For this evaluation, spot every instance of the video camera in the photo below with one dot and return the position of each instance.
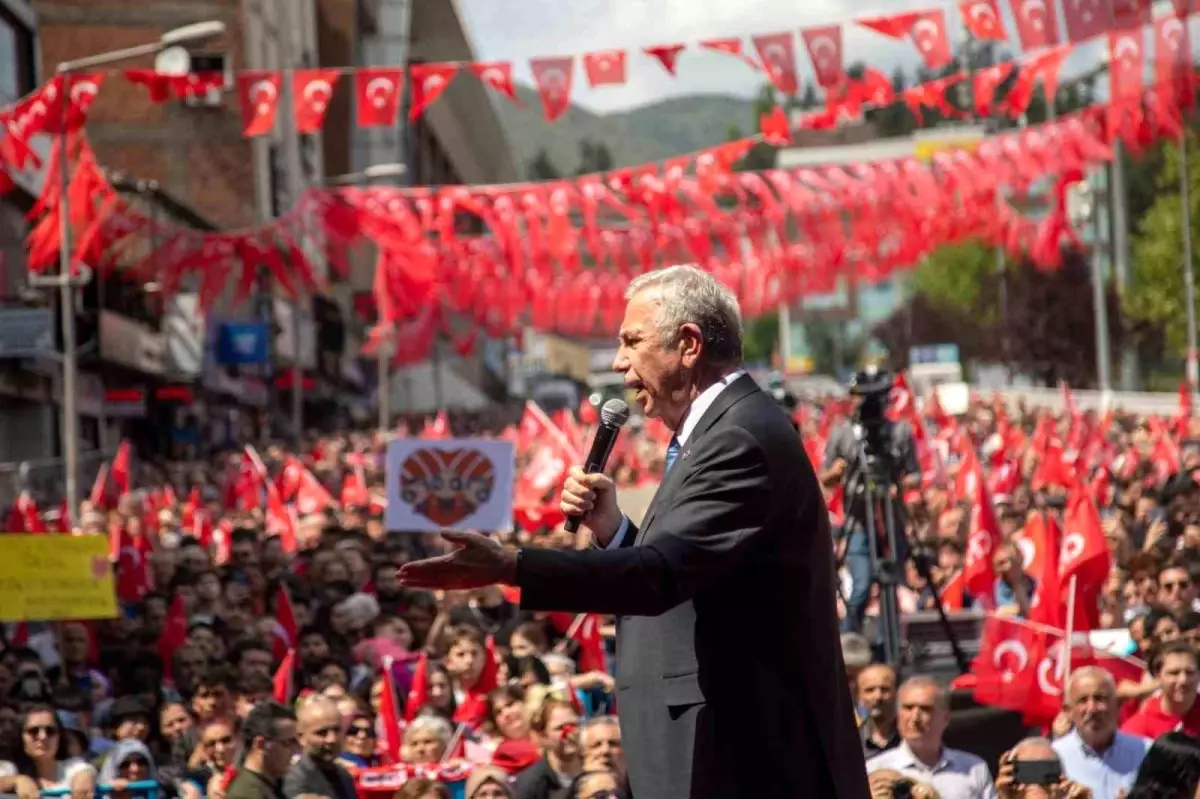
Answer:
(873, 387)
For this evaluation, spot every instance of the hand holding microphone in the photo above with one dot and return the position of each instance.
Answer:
(589, 496)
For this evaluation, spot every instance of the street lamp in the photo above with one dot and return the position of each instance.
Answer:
(1081, 209)
(64, 281)
(377, 171)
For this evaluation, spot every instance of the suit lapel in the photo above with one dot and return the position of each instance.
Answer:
(729, 396)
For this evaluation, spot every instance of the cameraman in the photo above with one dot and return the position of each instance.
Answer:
(843, 465)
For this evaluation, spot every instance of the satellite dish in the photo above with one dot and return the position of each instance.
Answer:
(173, 61)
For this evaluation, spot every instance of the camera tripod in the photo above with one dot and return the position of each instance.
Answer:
(877, 483)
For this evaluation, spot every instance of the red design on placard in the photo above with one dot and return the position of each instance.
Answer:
(605, 68)
(446, 486)
(1037, 23)
(498, 75)
(553, 77)
(428, 83)
(667, 55)
(258, 92)
(982, 19)
(377, 92)
(312, 91)
(777, 51)
(825, 50)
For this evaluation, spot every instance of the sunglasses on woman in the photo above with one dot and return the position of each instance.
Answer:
(360, 731)
(48, 731)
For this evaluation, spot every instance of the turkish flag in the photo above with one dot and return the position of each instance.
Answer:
(81, 93)
(1126, 60)
(428, 83)
(1086, 18)
(928, 33)
(498, 75)
(1127, 13)
(730, 46)
(282, 682)
(667, 55)
(605, 68)
(1037, 23)
(258, 93)
(389, 723)
(122, 468)
(825, 50)
(982, 19)
(1173, 68)
(377, 92)
(777, 51)
(553, 78)
(1085, 552)
(312, 90)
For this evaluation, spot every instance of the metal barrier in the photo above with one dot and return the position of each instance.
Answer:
(147, 788)
(44, 477)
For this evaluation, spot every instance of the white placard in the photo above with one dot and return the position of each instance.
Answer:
(449, 484)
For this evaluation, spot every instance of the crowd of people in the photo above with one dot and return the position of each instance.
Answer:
(265, 647)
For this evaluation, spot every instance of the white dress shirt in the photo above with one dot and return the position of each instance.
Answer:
(956, 775)
(692, 418)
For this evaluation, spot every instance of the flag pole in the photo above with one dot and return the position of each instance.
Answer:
(1070, 632)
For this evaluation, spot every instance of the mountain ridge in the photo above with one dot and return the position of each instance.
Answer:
(651, 132)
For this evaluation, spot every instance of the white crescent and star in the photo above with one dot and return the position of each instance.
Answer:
(983, 14)
(379, 91)
(927, 33)
(1017, 649)
(820, 45)
(263, 93)
(1038, 22)
(1172, 32)
(432, 83)
(1072, 548)
(317, 94)
(85, 89)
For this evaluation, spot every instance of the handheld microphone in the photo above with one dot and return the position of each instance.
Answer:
(613, 415)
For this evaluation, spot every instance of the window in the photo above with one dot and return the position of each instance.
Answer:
(16, 58)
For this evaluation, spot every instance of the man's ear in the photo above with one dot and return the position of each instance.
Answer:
(691, 344)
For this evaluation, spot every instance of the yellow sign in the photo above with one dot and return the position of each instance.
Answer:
(925, 149)
(48, 577)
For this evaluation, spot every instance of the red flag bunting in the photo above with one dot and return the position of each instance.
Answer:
(605, 68)
(982, 19)
(498, 75)
(312, 91)
(777, 51)
(429, 81)
(553, 77)
(258, 92)
(377, 93)
(667, 55)
(825, 49)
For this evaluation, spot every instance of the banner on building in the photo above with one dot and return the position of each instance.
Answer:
(450, 484)
(242, 344)
(49, 577)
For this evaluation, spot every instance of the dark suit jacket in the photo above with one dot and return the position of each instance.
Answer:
(305, 776)
(730, 676)
(538, 782)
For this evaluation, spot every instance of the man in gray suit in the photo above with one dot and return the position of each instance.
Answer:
(730, 677)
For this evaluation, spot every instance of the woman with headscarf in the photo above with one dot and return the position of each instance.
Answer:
(489, 782)
(127, 763)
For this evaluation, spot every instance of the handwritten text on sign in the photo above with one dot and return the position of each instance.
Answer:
(47, 577)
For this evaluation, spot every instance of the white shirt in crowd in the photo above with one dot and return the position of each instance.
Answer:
(956, 775)
(64, 773)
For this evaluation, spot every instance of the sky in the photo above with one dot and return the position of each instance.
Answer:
(517, 30)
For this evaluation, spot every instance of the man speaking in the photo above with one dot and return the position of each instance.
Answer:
(730, 679)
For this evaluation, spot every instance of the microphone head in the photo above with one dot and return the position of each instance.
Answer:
(615, 413)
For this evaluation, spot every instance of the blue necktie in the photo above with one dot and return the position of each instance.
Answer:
(672, 454)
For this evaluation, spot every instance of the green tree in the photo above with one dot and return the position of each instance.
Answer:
(1156, 293)
(954, 277)
(593, 157)
(542, 168)
(761, 339)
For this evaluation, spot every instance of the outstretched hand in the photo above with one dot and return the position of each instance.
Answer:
(476, 561)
